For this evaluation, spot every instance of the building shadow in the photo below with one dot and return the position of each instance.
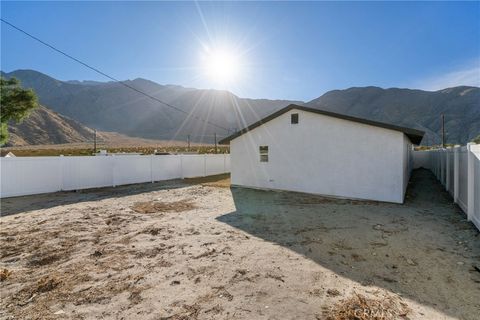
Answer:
(424, 249)
(24, 204)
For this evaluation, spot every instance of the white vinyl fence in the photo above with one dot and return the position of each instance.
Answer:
(458, 169)
(32, 175)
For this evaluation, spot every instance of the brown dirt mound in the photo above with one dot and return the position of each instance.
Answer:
(47, 284)
(39, 260)
(359, 307)
(158, 206)
(4, 274)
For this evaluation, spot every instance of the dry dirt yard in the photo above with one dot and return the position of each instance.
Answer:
(197, 249)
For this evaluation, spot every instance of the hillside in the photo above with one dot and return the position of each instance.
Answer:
(412, 108)
(110, 106)
(44, 126)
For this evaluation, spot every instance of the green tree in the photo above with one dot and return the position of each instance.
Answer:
(477, 139)
(16, 103)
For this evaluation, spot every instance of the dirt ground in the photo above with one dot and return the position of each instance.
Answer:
(197, 249)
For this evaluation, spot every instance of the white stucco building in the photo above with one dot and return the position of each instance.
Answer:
(313, 151)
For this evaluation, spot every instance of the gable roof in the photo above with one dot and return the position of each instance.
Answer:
(414, 135)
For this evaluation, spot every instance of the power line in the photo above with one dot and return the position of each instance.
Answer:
(110, 77)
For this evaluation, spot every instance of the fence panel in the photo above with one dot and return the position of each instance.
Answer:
(443, 166)
(166, 167)
(227, 163)
(458, 169)
(476, 168)
(451, 171)
(194, 166)
(215, 164)
(85, 172)
(33, 175)
(438, 164)
(463, 178)
(131, 169)
(30, 175)
(421, 159)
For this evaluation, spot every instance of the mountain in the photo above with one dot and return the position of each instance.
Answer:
(110, 106)
(44, 126)
(412, 108)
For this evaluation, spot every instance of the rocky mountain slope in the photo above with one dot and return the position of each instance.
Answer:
(412, 108)
(110, 106)
(45, 126)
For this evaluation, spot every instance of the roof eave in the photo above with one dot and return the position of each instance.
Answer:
(414, 135)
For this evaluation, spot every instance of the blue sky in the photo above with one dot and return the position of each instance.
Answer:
(291, 50)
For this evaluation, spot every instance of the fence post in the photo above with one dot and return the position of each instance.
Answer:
(205, 165)
(439, 166)
(470, 181)
(224, 163)
(61, 167)
(455, 173)
(113, 170)
(151, 168)
(442, 167)
(439, 160)
(447, 168)
(181, 167)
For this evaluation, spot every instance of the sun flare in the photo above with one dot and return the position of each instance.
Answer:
(222, 65)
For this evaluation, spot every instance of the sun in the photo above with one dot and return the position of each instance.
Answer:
(222, 65)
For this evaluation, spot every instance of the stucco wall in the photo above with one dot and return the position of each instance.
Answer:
(322, 155)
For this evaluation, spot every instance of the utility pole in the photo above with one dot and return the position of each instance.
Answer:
(215, 135)
(188, 142)
(94, 141)
(443, 131)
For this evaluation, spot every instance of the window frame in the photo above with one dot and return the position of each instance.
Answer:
(263, 153)
(294, 118)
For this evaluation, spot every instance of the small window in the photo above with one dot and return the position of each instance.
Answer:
(294, 118)
(263, 153)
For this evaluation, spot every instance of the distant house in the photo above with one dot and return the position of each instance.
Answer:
(9, 155)
(313, 151)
